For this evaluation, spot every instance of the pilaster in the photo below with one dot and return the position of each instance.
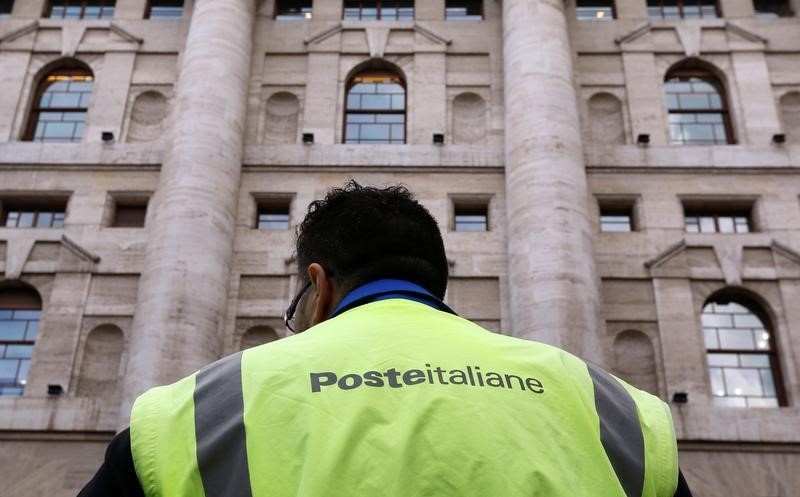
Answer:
(759, 112)
(682, 347)
(644, 87)
(430, 98)
(322, 89)
(13, 69)
(110, 96)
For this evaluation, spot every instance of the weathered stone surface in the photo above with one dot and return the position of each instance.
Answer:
(540, 125)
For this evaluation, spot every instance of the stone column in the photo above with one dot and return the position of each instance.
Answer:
(552, 276)
(179, 318)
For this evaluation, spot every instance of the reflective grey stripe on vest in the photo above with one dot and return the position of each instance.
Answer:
(620, 430)
(219, 429)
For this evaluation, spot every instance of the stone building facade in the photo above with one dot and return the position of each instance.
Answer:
(634, 174)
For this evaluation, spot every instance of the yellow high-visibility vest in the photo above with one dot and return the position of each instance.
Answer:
(395, 398)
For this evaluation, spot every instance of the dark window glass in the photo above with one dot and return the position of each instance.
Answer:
(616, 220)
(273, 213)
(772, 8)
(471, 217)
(742, 364)
(376, 109)
(595, 10)
(682, 9)
(164, 9)
(19, 323)
(463, 10)
(59, 109)
(5, 9)
(273, 220)
(32, 217)
(386, 10)
(81, 9)
(287, 10)
(705, 222)
(698, 112)
(129, 216)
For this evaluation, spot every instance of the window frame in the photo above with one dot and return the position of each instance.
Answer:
(83, 4)
(278, 203)
(612, 18)
(37, 211)
(35, 109)
(7, 15)
(301, 17)
(707, 77)
(376, 72)
(470, 205)
(466, 18)
(715, 216)
(378, 7)
(681, 3)
(786, 12)
(772, 353)
(149, 10)
(606, 212)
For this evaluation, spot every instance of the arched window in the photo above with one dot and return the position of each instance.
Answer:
(376, 108)
(20, 311)
(698, 112)
(740, 348)
(59, 107)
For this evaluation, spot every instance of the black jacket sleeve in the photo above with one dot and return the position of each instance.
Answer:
(117, 475)
(683, 488)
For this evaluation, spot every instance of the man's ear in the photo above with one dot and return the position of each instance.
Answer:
(323, 294)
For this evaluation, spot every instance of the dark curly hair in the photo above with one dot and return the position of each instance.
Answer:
(362, 233)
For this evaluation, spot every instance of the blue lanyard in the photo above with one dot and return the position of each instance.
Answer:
(389, 289)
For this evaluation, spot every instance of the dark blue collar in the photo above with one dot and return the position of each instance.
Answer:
(389, 289)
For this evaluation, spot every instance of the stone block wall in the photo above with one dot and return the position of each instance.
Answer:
(647, 286)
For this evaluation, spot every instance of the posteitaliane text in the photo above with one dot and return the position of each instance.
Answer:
(469, 376)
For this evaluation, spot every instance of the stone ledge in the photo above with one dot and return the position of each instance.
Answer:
(58, 414)
(737, 157)
(710, 423)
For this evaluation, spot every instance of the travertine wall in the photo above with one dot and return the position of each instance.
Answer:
(543, 136)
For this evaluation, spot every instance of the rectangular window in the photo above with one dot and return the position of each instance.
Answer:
(379, 10)
(717, 223)
(273, 213)
(616, 221)
(129, 216)
(81, 9)
(682, 9)
(471, 215)
(617, 215)
(23, 214)
(288, 10)
(463, 10)
(164, 9)
(126, 209)
(595, 10)
(772, 9)
(5, 9)
(703, 218)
